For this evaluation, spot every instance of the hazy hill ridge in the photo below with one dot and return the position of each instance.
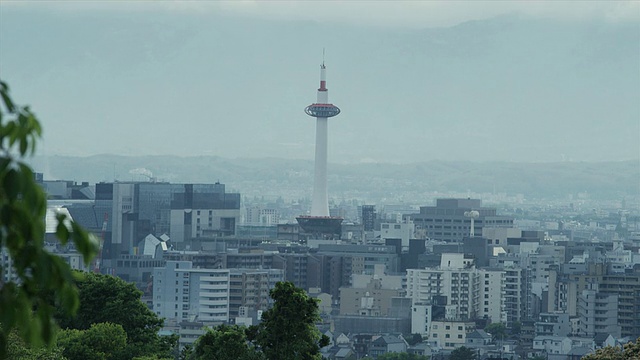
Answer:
(510, 88)
(294, 178)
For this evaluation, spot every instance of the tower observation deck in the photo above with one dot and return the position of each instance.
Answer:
(319, 220)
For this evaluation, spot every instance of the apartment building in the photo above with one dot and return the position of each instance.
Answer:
(250, 288)
(598, 313)
(184, 293)
(449, 335)
(469, 293)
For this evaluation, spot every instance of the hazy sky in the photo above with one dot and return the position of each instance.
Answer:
(412, 14)
(481, 81)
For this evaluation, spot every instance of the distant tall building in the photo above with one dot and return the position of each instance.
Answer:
(368, 216)
(447, 221)
(256, 215)
(182, 211)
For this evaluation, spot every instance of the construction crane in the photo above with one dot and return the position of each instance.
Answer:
(96, 268)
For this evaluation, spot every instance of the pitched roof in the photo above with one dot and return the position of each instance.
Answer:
(387, 339)
(479, 334)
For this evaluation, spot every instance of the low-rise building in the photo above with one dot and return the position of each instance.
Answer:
(449, 335)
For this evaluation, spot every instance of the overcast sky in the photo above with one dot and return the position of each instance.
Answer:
(417, 80)
(416, 14)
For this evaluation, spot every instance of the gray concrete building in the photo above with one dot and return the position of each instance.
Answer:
(446, 220)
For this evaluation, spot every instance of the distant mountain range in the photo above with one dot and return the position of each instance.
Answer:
(511, 88)
(273, 177)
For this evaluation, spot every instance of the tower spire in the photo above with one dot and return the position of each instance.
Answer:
(323, 57)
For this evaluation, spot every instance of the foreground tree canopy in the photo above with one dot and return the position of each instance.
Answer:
(109, 299)
(225, 342)
(288, 329)
(462, 353)
(19, 350)
(100, 342)
(628, 351)
(38, 275)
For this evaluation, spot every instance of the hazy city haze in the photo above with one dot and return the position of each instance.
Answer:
(415, 81)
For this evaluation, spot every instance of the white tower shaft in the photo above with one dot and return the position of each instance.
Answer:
(320, 201)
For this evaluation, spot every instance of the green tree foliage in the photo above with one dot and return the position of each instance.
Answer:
(288, 330)
(105, 298)
(24, 302)
(402, 356)
(516, 329)
(225, 342)
(628, 351)
(101, 341)
(498, 331)
(186, 353)
(462, 353)
(413, 339)
(19, 350)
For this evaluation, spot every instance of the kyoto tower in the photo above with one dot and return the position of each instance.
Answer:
(319, 221)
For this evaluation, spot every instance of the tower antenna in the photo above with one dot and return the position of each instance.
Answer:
(322, 57)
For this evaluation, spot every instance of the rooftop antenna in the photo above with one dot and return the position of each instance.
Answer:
(473, 214)
(322, 57)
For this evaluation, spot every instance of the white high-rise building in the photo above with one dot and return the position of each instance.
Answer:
(466, 292)
(182, 293)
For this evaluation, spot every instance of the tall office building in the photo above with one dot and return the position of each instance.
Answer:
(447, 220)
(368, 216)
(182, 211)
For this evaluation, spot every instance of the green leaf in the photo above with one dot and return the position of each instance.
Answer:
(11, 184)
(4, 92)
(85, 244)
(62, 233)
